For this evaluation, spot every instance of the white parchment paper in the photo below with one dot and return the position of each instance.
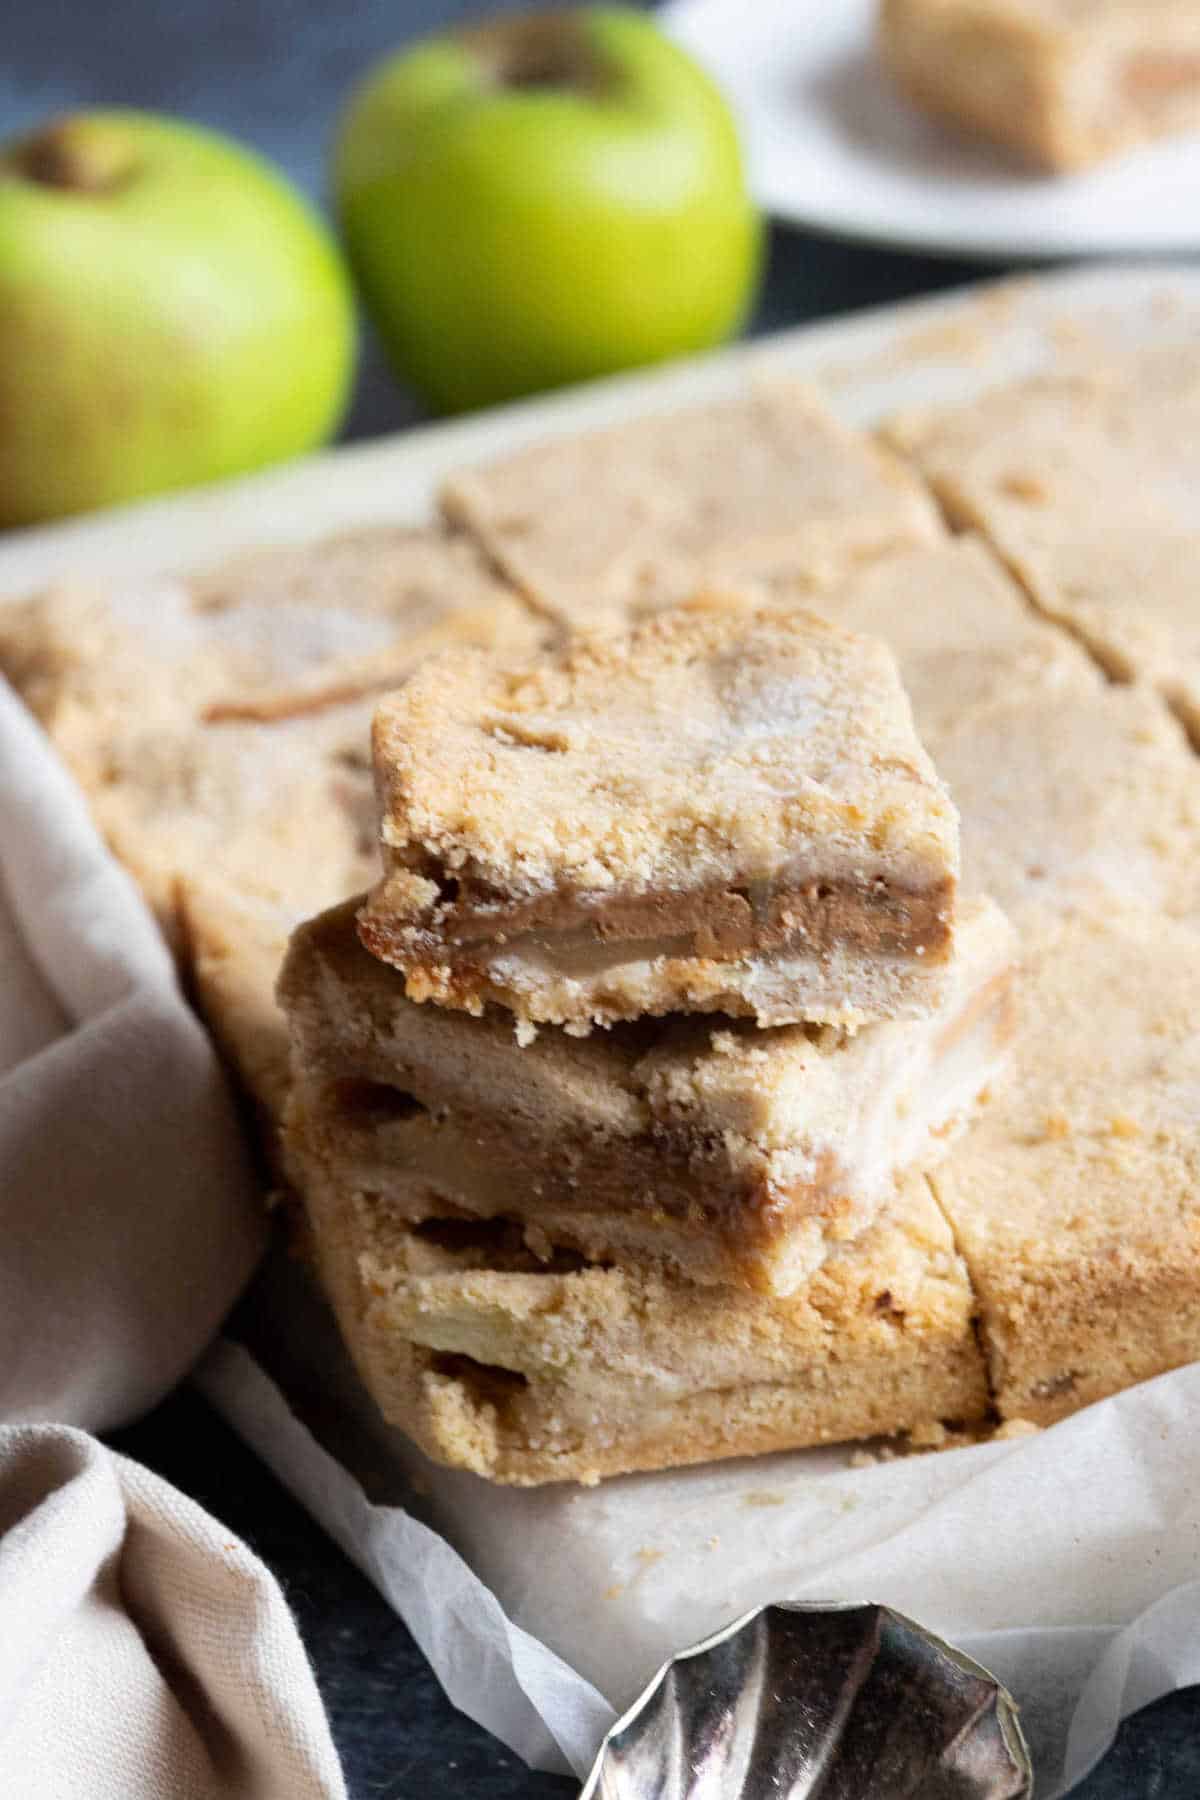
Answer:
(1067, 1562)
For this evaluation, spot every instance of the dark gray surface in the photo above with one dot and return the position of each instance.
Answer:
(275, 73)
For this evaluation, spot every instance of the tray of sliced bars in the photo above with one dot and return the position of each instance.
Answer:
(698, 879)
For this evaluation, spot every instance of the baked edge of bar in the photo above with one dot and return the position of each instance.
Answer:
(436, 1408)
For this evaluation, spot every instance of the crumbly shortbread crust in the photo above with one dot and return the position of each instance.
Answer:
(1065, 82)
(1116, 442)
(599, 525)
(1129, 594)
(1076, 1198)
(268, 635)
(282, 811)
(237, 835)
(234, 942)
(1067, 787)
(1092, 796)
(1087, 486)
(963, 634)
(724, 810)
(733, 1154)
(193, 712)
(527, 1374)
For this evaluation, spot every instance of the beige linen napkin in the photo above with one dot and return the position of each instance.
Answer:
(143, 1651)
(128, 1214)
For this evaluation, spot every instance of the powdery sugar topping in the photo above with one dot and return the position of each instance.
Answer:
(704, 746)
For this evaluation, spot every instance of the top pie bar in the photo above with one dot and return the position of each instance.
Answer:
(727, 810)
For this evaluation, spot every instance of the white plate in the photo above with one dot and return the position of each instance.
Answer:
(833, 145)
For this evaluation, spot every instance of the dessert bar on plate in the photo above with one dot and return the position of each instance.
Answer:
(1065, 83)
(724, 810)
(604, 524)
(729, 1153)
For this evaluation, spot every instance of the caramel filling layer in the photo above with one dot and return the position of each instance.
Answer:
(678, 1179)
(879, 917)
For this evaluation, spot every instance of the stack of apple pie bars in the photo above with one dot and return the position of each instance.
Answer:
(773, 1018)
(613, 1099)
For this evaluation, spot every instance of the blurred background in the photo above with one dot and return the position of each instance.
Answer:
(275, 74)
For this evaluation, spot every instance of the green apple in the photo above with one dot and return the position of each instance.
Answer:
(170, 311)
(542, 199)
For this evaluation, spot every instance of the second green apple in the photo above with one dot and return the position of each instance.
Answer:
(544, 199)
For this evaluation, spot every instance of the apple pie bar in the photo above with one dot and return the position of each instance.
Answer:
(964, 635)
(1062, 1253)
(1076, 1198)
(966, 641)
(605, 524)
(1064, 82)
(263, 636)
(1072, 799)
(724, 810)
(730, 1153)
(1067, 788)
(1087, 485)
(527, 1371)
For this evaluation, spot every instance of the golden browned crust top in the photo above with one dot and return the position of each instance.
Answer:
(703, 747)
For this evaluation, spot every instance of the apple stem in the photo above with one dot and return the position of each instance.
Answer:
(543, 50)
(81, 161)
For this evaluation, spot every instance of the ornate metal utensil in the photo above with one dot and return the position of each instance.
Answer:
(841, 1702)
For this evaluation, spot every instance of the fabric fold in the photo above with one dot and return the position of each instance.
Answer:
(145, 1651)
(128, 1205)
